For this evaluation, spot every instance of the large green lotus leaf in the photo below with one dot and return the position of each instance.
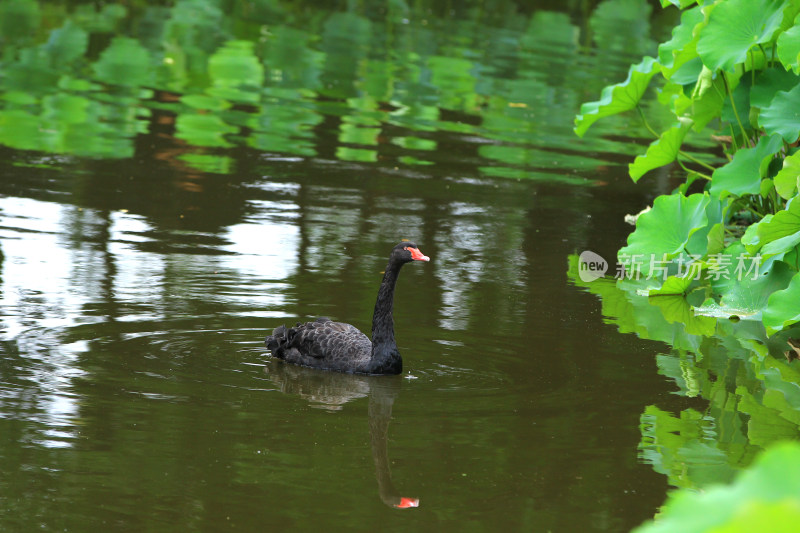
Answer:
(786, 179)
(618, 98)
(779, 234)
(665, 229)
(662, 151)
(734, 27)
(768, 83)
(750, 238)
(765, 497)
(676, 309)
(675, 52)
(783, 308)
(779, 247)
(743, 174)
(783, 115)
(688, 72)
(743, 288)
(698, 244)
(789, 48)
(791, 11)
(66, 108)
(775, 476)
(672, 286)
(783, 224)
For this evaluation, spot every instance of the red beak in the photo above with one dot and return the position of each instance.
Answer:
(416, 255)
(407, 503)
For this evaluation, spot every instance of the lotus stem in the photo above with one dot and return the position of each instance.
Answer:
(733, 106)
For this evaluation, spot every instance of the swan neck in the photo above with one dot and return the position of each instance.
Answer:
(382, 319)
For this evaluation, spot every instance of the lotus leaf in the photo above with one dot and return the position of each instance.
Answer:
(618, 98)
(736, 26)
(763, 498)
(783, 308)
(662, 151)
(783, 115)
(665, 229)
(743, 174)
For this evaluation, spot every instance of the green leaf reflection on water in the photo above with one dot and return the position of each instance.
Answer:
(764, 498)
(267, 76)
(213, 164)
(234, 65)
(124, 62)
(203, 130)
(750, 387)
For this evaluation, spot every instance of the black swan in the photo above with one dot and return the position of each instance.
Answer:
(330, 345)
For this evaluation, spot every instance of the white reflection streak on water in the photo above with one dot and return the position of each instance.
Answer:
(262, 246)
(139, 276)
(461, 251)
(474, 246)
(34, 301)
(52, 273)
(265, 250)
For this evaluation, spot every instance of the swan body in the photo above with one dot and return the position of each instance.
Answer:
(341, 347)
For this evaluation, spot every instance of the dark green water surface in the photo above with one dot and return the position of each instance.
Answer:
(176, 181)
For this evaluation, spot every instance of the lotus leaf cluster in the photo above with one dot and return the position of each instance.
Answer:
(731, 230)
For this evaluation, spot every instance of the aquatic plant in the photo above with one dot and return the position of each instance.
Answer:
(731, 230)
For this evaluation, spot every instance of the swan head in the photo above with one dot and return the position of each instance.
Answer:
(405, 252)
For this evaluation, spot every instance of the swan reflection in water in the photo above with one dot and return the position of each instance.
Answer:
(331, 390)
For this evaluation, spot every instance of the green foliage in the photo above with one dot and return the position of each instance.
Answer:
(718, 269)
(744, 173)
(662, 151)
(618, 98)
(664, 231)
(783, 115)
(734, 27)
(765, 497)
(729, 70)
(750, 388)
(783, 308)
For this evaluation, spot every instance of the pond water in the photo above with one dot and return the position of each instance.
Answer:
(158, 220)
